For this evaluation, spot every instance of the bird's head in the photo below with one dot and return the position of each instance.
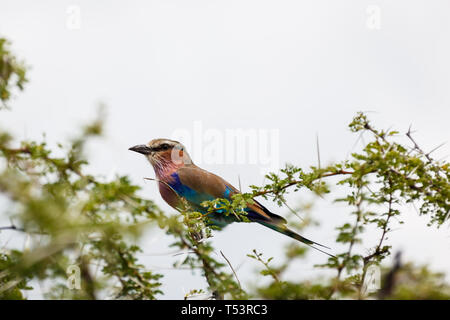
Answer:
(162, 152)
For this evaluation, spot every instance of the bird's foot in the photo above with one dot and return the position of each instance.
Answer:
(198, 236)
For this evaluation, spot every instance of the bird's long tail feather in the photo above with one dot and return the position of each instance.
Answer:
(284, 230)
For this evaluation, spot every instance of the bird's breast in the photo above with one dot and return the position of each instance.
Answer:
(169, 195)
(171, 190)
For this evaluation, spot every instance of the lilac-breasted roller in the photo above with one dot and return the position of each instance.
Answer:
(179, 177)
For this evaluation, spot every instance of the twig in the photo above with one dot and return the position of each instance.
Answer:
(433, 150)
(232, 269)
(12, 227)
(266, 264)
(292, 210)
(330, 174)
(341, 266)
(416, 146)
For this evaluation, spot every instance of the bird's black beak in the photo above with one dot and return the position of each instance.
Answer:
(141, 148)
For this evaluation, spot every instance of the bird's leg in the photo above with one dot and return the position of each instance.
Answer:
(198, 236)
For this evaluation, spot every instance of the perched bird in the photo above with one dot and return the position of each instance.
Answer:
(179, 177)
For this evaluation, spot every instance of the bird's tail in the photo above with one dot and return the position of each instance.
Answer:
(284, 230)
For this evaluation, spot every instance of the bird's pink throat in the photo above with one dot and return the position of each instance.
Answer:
(164, 169)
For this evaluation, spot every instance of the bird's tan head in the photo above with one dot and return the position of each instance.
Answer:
(163, 152)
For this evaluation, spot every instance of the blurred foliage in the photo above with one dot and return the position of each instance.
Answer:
(12, 73)
(81, 220)
(90, 226)
(419, 283)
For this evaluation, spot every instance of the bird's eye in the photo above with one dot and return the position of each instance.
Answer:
(164, 146)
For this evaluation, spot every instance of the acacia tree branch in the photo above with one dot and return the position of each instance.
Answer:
(378, 251)
(12, 227)
(207, 268)
(341, 266)
(290, 184)
(417, 147)
(266, 265)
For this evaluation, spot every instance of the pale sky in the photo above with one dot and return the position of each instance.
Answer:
(299, 68)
